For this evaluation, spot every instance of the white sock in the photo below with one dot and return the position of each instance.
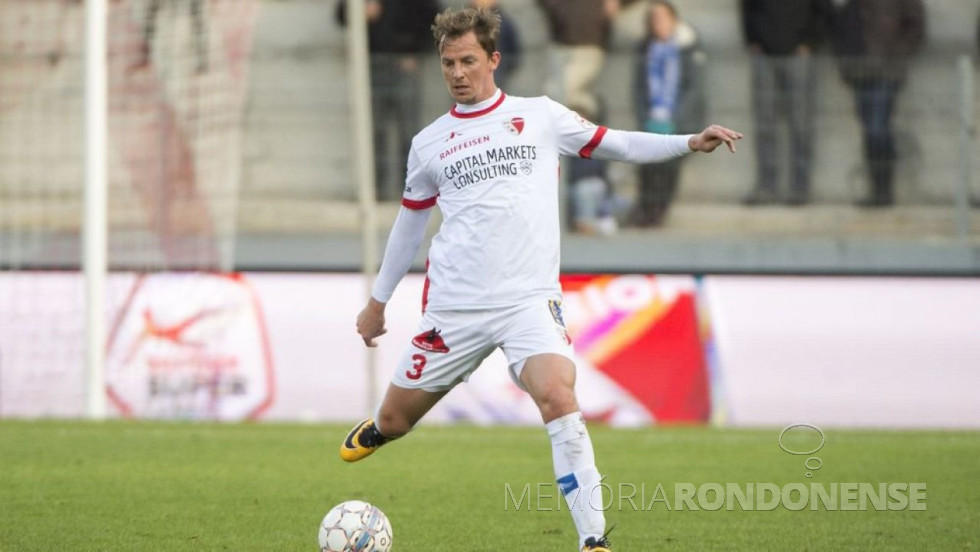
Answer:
(377, 418)
(576, 474)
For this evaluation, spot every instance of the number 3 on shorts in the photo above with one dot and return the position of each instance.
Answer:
(418, 363)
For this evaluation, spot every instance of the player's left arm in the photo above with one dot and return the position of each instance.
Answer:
(578, 136)
(644, 147)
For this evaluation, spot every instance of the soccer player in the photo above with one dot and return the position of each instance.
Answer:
(491, 164)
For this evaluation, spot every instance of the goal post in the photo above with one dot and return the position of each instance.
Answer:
(95, 205)
(359, 85)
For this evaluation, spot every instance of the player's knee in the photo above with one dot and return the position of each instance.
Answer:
(557, 402)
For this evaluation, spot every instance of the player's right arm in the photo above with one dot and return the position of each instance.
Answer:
(406, 238)
(407, 235)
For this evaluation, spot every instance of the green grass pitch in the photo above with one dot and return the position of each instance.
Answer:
(181, 486)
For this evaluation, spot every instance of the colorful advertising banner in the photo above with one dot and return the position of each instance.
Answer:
(739, 351)
(642, 332)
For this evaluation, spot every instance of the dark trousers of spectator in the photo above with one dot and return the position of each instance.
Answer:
(196, 8)
(658, 186)
(395, 104)
(875, 101)
(783, 84)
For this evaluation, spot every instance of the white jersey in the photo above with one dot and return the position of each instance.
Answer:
(494, 174)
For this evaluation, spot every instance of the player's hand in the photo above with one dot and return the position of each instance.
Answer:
(712, 137)
(371, 322)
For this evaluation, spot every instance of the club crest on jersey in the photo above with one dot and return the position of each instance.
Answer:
(584, 122)
(515, 126)
(430, 341)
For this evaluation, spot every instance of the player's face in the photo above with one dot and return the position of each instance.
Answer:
(468, 69)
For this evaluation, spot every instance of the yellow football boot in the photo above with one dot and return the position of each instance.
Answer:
(593, 544)
(362, 441)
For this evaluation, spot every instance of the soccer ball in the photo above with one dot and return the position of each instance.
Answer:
(355, 526)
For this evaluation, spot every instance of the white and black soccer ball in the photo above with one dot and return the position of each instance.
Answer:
(355, 526)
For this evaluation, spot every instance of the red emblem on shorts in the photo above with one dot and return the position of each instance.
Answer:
(430, 341)
(515, 125)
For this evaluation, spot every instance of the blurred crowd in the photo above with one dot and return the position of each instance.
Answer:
(871, 41)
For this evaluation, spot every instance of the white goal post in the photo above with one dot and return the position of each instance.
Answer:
(95, 217)
(360, 97)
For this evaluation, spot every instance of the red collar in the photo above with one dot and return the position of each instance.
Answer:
(472, 114)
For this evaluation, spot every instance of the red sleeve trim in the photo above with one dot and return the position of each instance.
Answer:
(586, 152)
(419, 204)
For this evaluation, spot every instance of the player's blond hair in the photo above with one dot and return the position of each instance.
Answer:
(484, 22)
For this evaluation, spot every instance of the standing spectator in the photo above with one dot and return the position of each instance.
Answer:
(398, 31)
(874, 40)
(669, 95)
(781, 36)
(196, 8)
(591, 202)
(579, 33)
(508, 43)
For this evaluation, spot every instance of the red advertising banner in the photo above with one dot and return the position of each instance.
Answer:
(643, 333)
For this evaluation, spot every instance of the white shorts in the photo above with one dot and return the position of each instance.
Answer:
(452, 344)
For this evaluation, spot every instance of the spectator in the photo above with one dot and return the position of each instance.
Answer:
(508, 44)
(874, 40)
(196, 8)
(669, 96)
(580, 33)
(398, 31)
(781, 36)
(591, 203)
